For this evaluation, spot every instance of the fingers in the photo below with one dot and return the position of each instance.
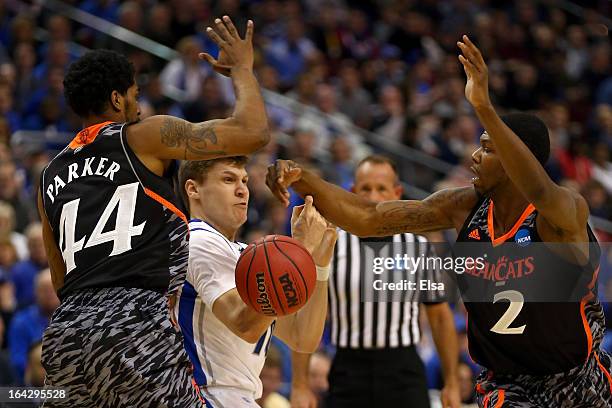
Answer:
(209, 58)
(468, 67)
(471, 53)
(474, 49)
(308, 200)
(249, 32)
(223, 32)
(272, 181)
(231, 27)
(215, 37)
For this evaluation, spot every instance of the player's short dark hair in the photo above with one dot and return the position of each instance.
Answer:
(198, 169)
(93, 77)
(532, 131)
(379, 159)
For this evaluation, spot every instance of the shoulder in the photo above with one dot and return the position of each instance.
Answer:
(203, 236)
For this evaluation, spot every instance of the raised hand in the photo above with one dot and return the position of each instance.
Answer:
(234, 52)
(307, 225)
(280, 176)
(477, 85)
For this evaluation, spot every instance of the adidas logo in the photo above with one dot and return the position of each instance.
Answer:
(474, 234)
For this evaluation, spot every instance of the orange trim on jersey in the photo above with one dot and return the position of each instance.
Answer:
(498, 241)
(87, 135)
(585, 323)
(606, 373)
(166, 203)
(501, 396)
(197, 389)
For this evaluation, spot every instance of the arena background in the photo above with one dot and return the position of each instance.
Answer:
(342, 79)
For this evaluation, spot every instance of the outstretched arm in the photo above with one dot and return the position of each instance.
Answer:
(246, 130)
(441, 210)
(562, 208)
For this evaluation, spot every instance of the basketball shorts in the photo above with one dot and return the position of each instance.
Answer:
(116, 348)
(585, 386)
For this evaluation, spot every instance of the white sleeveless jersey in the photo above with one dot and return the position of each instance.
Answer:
(220, 358)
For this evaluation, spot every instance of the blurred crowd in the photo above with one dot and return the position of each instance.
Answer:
(388, 67)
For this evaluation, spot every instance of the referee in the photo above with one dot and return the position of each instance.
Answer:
(376, 362)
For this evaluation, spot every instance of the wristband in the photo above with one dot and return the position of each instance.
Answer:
(322, 272)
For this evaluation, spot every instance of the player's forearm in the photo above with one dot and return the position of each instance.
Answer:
(299, 369)
(519, 163)
(445, 338)
(249, 111)
(343, 208)
(309, 321)
(250, 325)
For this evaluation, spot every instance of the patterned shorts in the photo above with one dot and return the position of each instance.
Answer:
(586, 386)
(117, 348)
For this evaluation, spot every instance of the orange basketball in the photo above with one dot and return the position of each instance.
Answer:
(275, 275)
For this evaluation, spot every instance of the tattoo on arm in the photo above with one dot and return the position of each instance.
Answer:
(197, 139)
(405, 216)
(432, 214)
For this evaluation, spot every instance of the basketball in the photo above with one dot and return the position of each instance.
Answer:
(275, 275)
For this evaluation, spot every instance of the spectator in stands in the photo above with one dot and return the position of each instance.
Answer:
(8, 254)
(29, 324)
(353, 100)
(8, 304)
(318, 371)
(602, 167)
(290, 53)
(340, 170)
(183, 77)
(7, 107)
(598, 199)
(466, 385)
(326, 127)
(158, 26)
(25, 83)
(24, 273)
(7, 230)
(389, 120)
(271, 376)
(11, 191)
(7, 374)
(35, 372)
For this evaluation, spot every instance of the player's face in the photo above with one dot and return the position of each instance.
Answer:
(488, 171)
(224, 195)
(377, 182)
(132, 109)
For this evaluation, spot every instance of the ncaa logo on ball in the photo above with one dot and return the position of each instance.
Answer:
(262, 298)
(523, 238)
(289, 290)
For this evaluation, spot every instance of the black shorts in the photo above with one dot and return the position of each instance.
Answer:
(377, 378)
(117, 348)
(585, 386)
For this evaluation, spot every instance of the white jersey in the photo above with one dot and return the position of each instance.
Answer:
(220, 358)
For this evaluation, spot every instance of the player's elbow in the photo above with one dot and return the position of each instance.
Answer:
(256, 136)
(248, 333)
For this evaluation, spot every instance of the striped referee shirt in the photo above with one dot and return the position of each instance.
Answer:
(392, 319)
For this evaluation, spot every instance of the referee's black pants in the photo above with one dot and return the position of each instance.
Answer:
(381, 378)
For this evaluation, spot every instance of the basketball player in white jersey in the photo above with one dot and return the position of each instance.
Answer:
(226, 340)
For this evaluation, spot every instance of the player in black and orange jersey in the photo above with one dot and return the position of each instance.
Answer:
(116, 239)
(543, 348)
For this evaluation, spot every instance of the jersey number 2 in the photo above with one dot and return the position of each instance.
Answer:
(121, 237)
(516, 304)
